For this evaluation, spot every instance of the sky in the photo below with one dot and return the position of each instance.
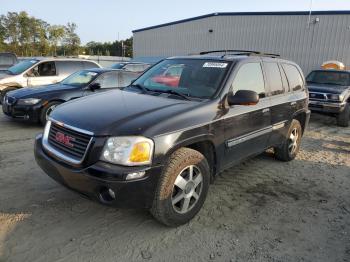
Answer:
(106, 20)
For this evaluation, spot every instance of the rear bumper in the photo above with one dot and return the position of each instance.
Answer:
(326, 107)
(30, 113)
(92, 181)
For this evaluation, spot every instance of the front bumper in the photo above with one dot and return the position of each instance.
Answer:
(326, 107)
(26, 112)
(94, 180)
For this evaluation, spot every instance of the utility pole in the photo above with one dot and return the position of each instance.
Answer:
(310, 13)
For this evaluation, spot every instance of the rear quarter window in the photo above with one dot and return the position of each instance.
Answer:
(68, 67)
(294, 77)
(88, 65)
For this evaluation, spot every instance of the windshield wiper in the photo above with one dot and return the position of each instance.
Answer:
(172, 92)
(334, 84)
(140, 87)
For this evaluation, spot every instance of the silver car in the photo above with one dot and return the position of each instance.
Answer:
(40, 71)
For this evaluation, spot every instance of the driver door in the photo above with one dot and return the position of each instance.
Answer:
(42, 74)
(247, 128)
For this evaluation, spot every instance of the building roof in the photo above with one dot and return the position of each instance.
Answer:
(333, 12)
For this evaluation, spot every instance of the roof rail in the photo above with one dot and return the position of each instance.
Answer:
(240, 52)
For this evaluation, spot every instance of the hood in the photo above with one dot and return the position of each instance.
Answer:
(328, 89)
(39, 91)
(120, 112)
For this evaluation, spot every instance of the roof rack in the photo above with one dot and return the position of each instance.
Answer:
(240, 52)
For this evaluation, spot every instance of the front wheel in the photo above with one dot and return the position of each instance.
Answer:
(290, 147)
(4, 92)
(344, 117)
(182, 188)
(47, 110)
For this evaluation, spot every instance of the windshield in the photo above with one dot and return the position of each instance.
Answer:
(190, 77)
(329, 77)
(80, 78)
(22, 66)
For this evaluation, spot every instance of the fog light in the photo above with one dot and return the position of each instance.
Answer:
(135, 175)
(111, 193)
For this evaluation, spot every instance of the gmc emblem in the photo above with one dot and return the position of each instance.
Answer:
(64, 139)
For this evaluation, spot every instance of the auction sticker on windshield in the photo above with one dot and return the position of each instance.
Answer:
(215, 65)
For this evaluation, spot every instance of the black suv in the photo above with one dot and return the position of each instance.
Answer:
(158, 143)
(329, 92)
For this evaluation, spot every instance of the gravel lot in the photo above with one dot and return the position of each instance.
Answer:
(261, 210)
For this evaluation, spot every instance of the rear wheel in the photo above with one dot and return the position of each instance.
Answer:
(344, 117)
(47, 110)
(182, 189)
(290, 147)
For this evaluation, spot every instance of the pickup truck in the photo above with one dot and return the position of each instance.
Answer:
(329, 92)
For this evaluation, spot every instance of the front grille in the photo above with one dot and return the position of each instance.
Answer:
(69, 142)
(317, 96)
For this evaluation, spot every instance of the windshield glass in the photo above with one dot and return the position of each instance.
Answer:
(22, 66)
(329, 77)
(190, 77)
(80, 78)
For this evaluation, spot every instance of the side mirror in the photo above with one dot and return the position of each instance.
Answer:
(95, 86)
(243, 97)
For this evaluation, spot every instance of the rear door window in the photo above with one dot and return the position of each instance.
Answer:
(274, 78)
(69, 67)
(295, 79)
(250, 77)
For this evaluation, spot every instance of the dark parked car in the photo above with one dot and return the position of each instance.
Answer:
(36, 104)
(7, 60)
(329, 92)
(156, 146)
(131, 66)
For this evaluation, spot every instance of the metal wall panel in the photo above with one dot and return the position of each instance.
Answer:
(288, 35)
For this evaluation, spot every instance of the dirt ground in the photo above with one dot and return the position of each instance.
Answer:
(261, 210)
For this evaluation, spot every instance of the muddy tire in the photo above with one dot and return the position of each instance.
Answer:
(290, 147)
(182, 188)
(46, 111)
(344, 117)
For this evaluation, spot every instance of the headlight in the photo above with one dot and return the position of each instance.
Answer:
(335, 97)
(28, 101)
(128, 151)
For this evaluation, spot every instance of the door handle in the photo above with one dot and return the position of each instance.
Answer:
(293, 103)
(266, 110)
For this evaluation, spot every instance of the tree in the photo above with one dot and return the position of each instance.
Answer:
(56, 35)
(71, 40)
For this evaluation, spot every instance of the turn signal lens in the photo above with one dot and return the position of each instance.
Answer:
(140, 153)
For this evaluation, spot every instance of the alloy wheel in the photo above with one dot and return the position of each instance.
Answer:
(293, 141)
(187, 189)
(49, 111)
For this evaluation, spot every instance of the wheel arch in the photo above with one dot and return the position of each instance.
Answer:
(203, 144)
(301, 116)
